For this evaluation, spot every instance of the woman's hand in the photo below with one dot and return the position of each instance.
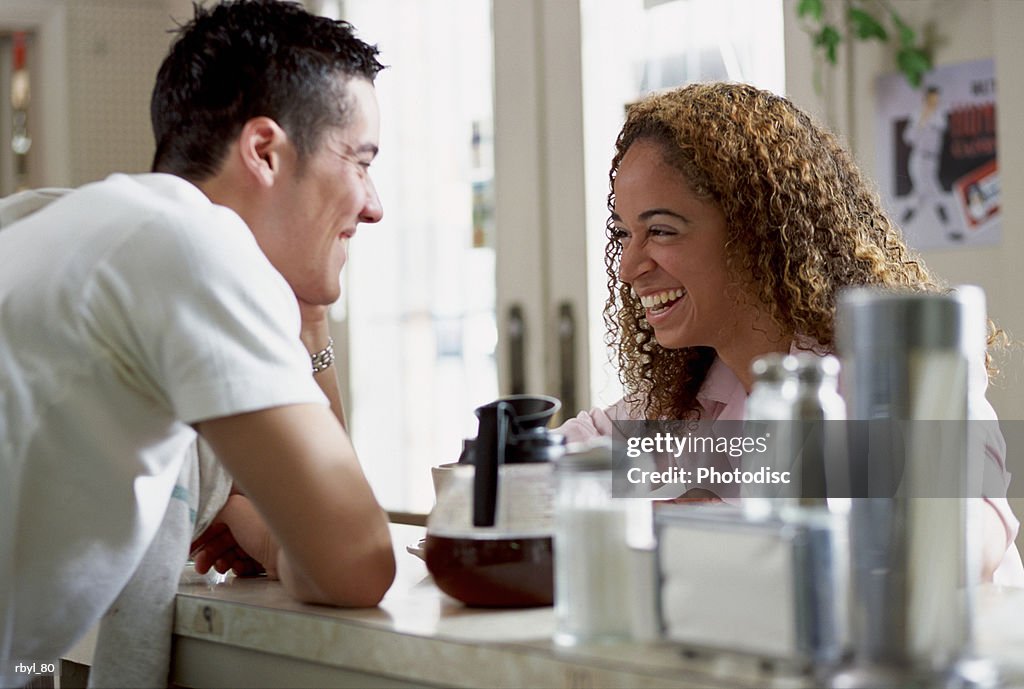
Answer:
(994, 541)
(698, 495)
(694, 495)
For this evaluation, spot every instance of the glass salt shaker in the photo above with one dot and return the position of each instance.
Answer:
(817, 397)
(774, 388)
(592, 571)
(769, 415)
(795, 400)
(820, 411)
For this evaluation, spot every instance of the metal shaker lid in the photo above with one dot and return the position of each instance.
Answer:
(875, 319)
(773, 368)
(812, 368)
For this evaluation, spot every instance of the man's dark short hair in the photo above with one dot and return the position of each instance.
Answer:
(249, 58)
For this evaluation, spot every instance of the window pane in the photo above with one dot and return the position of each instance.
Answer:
(422, 282)
(634, 47)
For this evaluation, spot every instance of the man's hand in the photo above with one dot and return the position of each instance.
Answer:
(236, 540)
(314, 319)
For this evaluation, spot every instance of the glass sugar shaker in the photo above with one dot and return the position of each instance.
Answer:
(592, 571)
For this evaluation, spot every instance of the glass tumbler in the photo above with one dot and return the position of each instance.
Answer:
(591, 554)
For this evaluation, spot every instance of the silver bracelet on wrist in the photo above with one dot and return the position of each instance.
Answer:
(323, 359)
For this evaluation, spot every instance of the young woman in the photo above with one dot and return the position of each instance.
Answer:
(735, 221)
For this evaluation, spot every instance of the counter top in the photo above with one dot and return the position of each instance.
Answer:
(248, 632)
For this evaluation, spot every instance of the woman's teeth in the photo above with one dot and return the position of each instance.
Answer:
(662, 300)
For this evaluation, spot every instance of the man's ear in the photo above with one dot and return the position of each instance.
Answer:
(262, 144)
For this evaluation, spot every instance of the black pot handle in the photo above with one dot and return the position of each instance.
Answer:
(488, 456)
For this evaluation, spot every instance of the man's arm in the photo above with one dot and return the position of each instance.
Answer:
(298, 467)
(238, 539)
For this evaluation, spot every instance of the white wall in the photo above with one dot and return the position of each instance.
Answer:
(109, 104)
(47, 22)
(94, 64)
(964, 30)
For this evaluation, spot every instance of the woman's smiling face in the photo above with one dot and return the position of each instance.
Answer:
(674, 256)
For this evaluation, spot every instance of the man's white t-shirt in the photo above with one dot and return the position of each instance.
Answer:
(129, 309)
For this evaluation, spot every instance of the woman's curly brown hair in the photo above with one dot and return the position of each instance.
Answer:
(802, 223)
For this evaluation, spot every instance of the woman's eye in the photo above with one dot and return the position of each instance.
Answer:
(617, 234)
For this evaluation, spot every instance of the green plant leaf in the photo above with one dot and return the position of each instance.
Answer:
(811, 8)
(914, 63)
(865, 26)
(907, 35)
(862, 24)
(828, 39)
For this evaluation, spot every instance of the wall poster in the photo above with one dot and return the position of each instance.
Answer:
(937, 155)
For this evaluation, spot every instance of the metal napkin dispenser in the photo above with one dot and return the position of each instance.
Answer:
(774, 588)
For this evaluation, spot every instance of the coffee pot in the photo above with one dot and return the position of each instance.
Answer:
(489, 537)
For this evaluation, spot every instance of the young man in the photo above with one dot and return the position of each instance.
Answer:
(140, 310)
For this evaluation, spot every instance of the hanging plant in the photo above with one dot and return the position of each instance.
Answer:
(866, 20)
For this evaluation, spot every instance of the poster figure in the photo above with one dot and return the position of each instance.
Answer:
(937, 155)
(924, 137)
